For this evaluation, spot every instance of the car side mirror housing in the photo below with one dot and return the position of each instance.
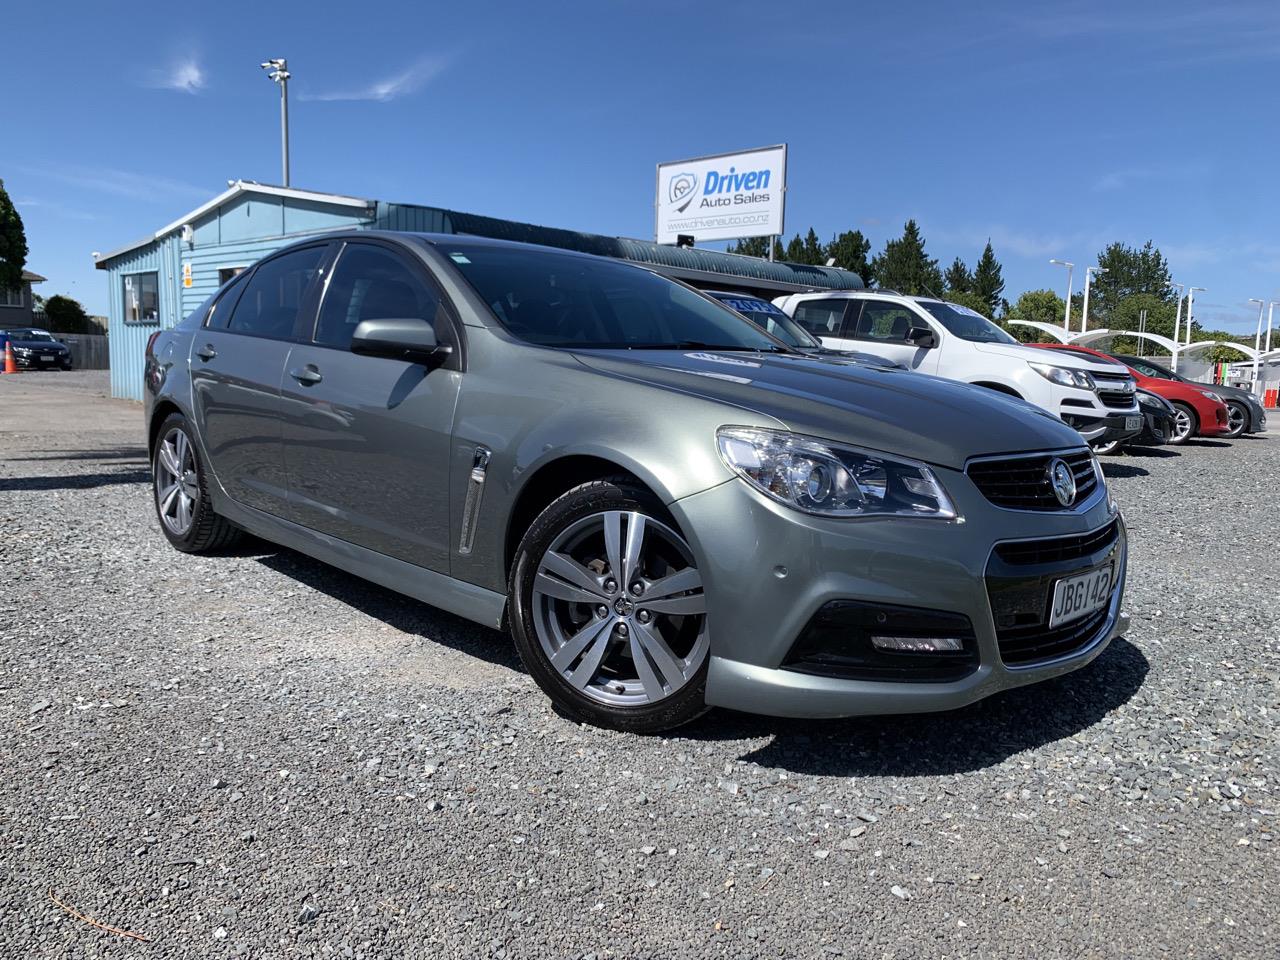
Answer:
(400, 339)
(922, 337)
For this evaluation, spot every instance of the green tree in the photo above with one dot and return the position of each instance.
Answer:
(904, 265)
(988, 281)
(1129, 271)
(13, 243)
(814, 252)
(750, 247)
(795, 250)
(64, 315)
(1040, 306)
(849, 250)
(958, 278)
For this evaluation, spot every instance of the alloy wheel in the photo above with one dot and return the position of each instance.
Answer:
(619, 609)
(1181, 424)
(1236, 418)
(177, 485)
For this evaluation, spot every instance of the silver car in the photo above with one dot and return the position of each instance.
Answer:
(667, 508)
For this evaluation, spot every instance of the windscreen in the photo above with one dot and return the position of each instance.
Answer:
(560, 299)
(769, 319)
(965, 323)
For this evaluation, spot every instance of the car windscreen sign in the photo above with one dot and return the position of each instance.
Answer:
(724, 197)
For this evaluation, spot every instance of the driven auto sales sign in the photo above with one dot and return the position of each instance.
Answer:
(723, 197)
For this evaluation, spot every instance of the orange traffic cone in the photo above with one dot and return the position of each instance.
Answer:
(10, 365)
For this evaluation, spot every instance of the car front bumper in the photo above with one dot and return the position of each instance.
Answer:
(1106, 428)
(35, 363)
(768, 571)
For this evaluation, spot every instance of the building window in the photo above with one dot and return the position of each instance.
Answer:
(141, 298)
(226, 273)
(12, 298)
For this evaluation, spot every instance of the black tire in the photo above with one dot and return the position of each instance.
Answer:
(1175, 439)
(208, 531)
(583, 501)
(1237, 419)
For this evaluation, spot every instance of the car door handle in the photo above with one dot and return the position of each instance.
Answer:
(306, 375)
(207, 352)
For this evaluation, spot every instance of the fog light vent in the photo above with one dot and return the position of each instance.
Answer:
(919, 644)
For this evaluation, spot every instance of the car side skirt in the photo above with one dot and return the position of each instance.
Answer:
(466, 600)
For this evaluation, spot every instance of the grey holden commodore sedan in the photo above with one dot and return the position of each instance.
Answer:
(666, 507)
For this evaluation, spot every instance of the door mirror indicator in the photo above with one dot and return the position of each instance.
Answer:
(922, 337)
(400, 339)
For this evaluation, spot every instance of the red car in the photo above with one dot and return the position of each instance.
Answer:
(1199, 411)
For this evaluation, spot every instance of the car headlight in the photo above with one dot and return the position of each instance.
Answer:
(832, 480)
(22, 350)
(1149, 401)
(1063, 376)
(1112, 506)
(1211, 395)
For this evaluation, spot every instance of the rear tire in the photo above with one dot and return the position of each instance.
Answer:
(1237, 419)
(1185, 424)
(608, 612)
(180, 491)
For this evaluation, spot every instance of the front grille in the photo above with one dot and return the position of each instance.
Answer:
(1116, 392)
(1032, 644)
(1022, 483)
(1057, 549)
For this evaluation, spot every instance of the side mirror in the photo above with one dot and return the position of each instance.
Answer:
(407, 339)
(922, 337)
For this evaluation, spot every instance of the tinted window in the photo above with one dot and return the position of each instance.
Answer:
(273, 295)
(371, 283)
(885, 322)
(565, 300)
(822, 318)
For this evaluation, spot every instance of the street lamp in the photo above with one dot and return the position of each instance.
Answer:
(1191, 305)
(1270, 310)
(279, 68)
(1088, 273)
(1066, 320)
(1257, 341)
(1177, 320)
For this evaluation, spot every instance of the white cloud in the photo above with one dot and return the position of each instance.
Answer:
(54, 208)
(407, 81)
(184, 74)
(120, 183)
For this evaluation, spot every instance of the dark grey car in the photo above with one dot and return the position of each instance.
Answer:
(667, 507)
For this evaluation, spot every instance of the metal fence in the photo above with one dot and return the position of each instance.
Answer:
(88, 351)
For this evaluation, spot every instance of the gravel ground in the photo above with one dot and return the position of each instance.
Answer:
(255, 755)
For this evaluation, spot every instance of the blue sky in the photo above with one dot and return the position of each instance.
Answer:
(1051, 130)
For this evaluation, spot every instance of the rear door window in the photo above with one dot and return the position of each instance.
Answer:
(883, 321)
(822, 318)
(275, 293)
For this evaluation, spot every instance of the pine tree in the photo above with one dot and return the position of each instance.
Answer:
(904, 266)
(849, 250)
(750, 247)
(813, 249)
(988, 283)
(13, 244)
(958, 278)
(795, 250)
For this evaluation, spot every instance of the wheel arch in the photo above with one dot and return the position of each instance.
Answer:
(998, 387)
(163, 409)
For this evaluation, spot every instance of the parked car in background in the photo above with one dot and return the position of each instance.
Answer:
(1160, 419)
(1245, 413)
(952, 341)
(669, 508)
(777, 324)
(35, 349)
(1198, 409)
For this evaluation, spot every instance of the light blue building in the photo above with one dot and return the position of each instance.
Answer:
(154, 283)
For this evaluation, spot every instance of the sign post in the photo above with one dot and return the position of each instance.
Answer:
(727, 196)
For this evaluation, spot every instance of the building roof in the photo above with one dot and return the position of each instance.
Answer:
(30, 277)
(234, 189)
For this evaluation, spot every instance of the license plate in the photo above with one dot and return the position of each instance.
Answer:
(1133, 423)
(1079, 596)
(46, 358)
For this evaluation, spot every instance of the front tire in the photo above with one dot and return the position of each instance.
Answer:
(1185, 424)
(1237, 419)
(181, 492)
(608, 610)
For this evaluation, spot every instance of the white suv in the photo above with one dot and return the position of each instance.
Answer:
(948, 340)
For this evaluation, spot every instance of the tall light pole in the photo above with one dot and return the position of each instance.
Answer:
(1066, 320)
(1270, 310)
(279, 68)
(1088, 273)
(1177, 322)
(1257, 341)
(1191, 306)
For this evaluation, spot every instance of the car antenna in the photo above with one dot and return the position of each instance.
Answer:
(931, 293)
